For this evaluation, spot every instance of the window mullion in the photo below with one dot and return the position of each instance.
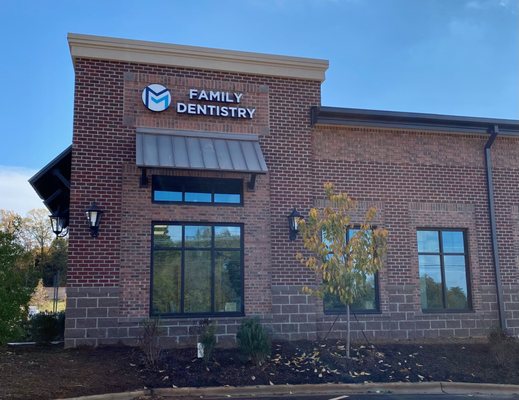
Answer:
(213, 257)
(182, 272)
(442, 269)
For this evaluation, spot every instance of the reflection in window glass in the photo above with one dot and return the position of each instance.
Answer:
(227, 198)
(456, 282)
(181, 189)
(367, 298)
(227, 236)
(228, 281)
(167, 235)
(166, 282)
(430, 281)
(193, 197)
(428, 241)
(197, 236)
(197, 281)
(453, 242)
(159, 195)
(443, 274)
(197, 269)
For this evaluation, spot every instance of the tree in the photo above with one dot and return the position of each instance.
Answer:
(15, 286)
(38, 231)
(341, 265)
(39, 297)
(46, 254)
(55, 262)
(11, 222)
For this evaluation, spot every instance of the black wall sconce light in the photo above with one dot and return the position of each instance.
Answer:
(58, 222)
(93, 214)
(293, 223)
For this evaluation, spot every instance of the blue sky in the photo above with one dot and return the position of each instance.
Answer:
(457, 57)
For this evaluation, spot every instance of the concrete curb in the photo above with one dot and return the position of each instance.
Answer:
(112, 396)
(325, 389)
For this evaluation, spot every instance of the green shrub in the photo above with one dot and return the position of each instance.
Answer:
(208, 338)
(253, 341)
(15, 289)
(46, 327)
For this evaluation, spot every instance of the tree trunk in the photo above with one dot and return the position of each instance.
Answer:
(348, 331)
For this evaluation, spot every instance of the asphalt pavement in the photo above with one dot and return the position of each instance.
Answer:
(443, 396)
(366, 391)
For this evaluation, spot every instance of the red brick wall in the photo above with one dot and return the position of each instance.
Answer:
(416, 179)
(107, 112)
(421, 179)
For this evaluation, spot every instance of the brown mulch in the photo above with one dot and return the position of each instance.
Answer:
(43, 372)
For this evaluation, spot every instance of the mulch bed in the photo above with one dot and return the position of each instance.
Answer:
(50, 372)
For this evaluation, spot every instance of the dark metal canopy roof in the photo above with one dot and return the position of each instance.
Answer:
(405, 120)
(52, 183)
(199, 150)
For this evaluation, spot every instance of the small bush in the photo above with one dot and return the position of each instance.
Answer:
(253, 341)
(46, 327)
(208, 338)
(503, 347)
(497, 336)
(149, 342)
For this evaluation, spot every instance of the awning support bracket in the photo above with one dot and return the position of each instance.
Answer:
(143, 182)
(251, 184)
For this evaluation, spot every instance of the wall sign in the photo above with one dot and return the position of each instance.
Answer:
(158, 98)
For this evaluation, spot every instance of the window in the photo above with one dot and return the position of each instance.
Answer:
(366, 302)
(442, 260)
(189, 190)
(197, 269)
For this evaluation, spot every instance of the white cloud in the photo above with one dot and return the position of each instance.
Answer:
(474, 4)
(16, 193)
(509, 5)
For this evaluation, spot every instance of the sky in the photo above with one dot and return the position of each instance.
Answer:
(453, 57)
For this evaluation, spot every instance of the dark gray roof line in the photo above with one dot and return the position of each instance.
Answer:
(407, 120)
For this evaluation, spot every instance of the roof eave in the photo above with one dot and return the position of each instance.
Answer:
(412, 121)
(56, 160)
(138, 51)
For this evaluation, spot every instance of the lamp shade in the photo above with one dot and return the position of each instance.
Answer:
(293, 223)
(58, 223)
(93, 214)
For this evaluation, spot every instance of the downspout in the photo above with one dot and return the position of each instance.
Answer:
(492, 215)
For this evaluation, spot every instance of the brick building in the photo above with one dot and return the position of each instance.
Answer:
(197, 156)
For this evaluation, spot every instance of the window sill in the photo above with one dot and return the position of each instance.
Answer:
(198, 316)
(356, 312)
(448, 311)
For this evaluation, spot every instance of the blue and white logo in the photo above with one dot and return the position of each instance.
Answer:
(156, 97)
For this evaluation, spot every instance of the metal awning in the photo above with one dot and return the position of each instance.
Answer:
(52, 183)
(157, 148)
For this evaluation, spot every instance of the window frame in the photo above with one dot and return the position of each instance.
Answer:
(342, 310)
(210, 181)
(441, 255)
(213, 250)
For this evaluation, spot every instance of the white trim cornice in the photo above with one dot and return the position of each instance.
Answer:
(137, 51)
